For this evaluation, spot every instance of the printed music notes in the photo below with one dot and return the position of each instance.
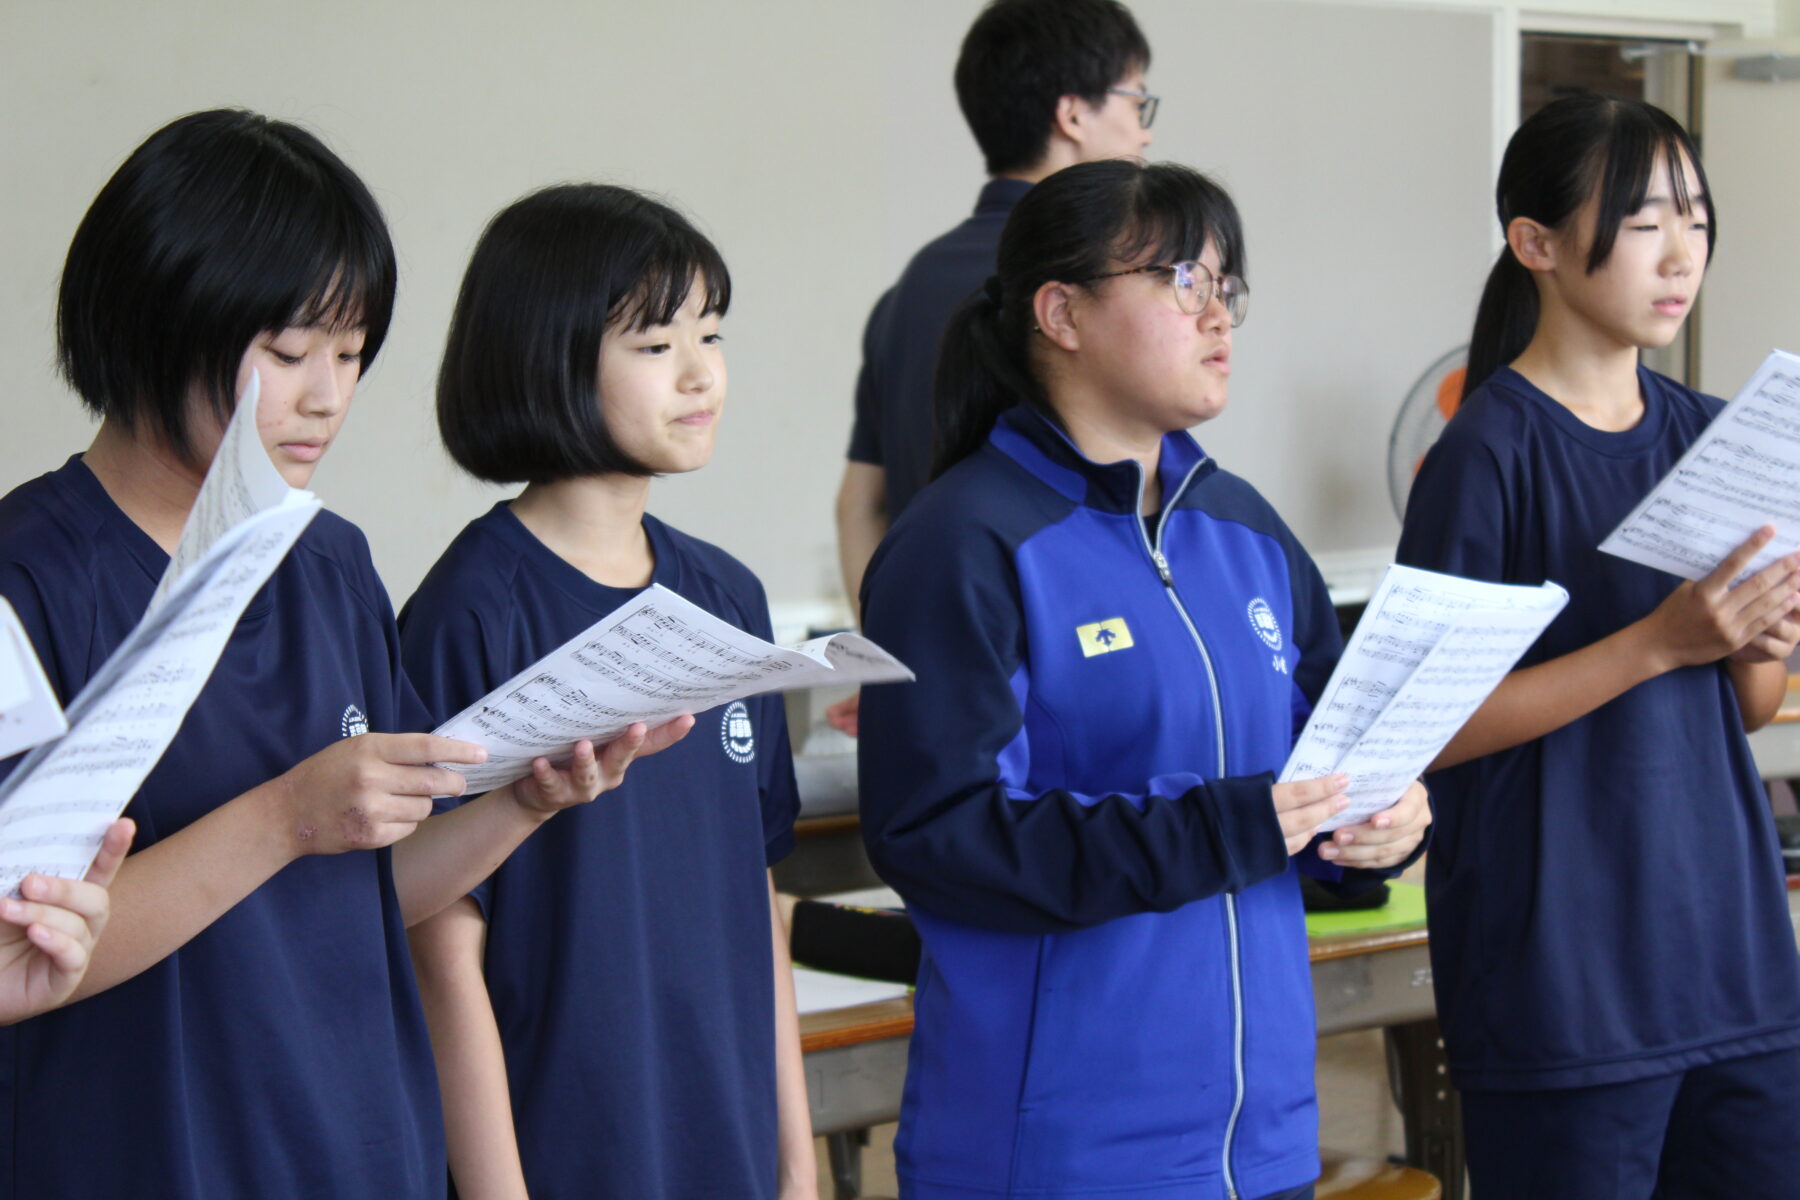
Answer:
(652, 659)
(29, 713)
(1428, 650)
(1741, 473)
(56, 806)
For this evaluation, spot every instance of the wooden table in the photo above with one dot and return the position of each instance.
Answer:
(856, 1057)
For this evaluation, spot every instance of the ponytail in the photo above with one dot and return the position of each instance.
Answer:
(982, 370)
(1505, 321)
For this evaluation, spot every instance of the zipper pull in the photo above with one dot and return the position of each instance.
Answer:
(1162, 568)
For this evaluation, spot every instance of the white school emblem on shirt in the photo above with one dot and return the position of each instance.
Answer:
(354, 722)
(1262, 619)
(735, 733)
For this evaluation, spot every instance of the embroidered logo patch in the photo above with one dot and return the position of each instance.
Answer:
(735, 733)
(354, 723)
(1103, 637)
(1262, 619)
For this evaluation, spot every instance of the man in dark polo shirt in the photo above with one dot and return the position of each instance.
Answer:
(1043, 84)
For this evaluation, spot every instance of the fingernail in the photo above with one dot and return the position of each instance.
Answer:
(35, 886)
(1345, 838)
(1328, 851)
(11, 909)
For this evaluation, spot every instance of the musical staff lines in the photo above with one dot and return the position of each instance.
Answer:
(1741, 473)
(654, 658)
(1428, 650)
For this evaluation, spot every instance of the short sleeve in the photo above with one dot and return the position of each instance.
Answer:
(447, 657)
(775, 781)
(775, 756)
(865, 431)
(22, 592)
(1456, 514)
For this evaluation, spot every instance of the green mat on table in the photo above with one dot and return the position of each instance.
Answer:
(1405, 907)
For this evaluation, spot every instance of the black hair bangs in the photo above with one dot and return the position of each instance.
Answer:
(518, 394)
(668, 276)
(1641, 139)
(1174, 211)
(221, 227)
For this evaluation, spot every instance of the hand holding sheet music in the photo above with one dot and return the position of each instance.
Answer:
(56, 806)
(654, 658)
(1741, 473)
(1428, 651)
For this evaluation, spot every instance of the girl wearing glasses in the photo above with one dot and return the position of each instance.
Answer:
(1610, 939)
(1116, 642)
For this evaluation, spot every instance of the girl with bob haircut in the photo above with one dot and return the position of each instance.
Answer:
(1610, 940)
(1116, 643)
(250, 1025)
(628, 967)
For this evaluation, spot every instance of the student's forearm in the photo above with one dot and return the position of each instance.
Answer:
(1538, 700)
(862, 521)
(1760, 687)
(465, 1040)
(453, 851)
(799, 1169)
(170, 891)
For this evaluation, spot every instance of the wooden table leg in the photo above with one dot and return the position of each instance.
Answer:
(1429, 1106)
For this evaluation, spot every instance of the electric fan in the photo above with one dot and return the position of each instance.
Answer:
(1423, 415)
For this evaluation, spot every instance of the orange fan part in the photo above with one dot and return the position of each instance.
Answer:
(1449, 392)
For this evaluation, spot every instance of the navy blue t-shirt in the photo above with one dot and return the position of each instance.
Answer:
(900, 344)
(628, 953)
(1608, 901)
(282, 1052)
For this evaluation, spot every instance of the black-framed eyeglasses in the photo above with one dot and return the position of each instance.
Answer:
(1146, 104)
(1195, 286)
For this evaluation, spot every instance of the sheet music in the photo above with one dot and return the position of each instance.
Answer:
(653, 658)
(1741, 473)
(1428, 651)
(241, 482)
(58, 803)
(29, 712)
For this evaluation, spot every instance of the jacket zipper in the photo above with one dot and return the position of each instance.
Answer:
(1231, 916)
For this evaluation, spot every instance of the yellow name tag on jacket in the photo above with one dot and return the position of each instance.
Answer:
(1103, 637)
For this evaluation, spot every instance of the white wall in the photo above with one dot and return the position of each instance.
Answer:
(1752, 298)
(819, 142)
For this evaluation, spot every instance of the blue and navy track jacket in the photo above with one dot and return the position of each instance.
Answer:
(1074, 801)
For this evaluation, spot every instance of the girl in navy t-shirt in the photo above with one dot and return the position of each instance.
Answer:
(612, 1011)
(250, 1025)
(1614, 962)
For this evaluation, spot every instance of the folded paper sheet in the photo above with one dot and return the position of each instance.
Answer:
(1741, 473)
(29, 713)
(1428, 650)
(56, 805)
(653, 658)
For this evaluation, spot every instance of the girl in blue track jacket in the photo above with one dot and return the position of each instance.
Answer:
(1116, 643)
(1610, 940)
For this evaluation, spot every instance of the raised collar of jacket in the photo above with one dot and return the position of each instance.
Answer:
(999, 195)
(1031, 440)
